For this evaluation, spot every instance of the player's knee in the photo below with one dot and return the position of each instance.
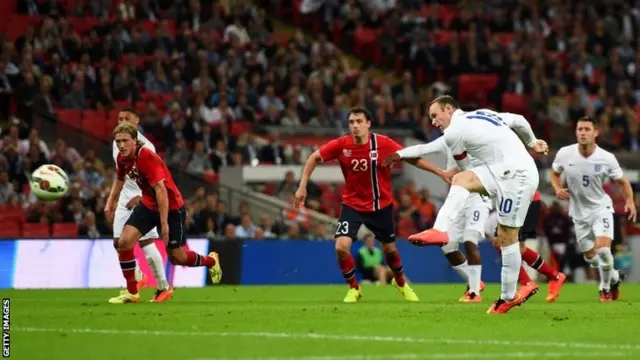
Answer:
(389, 248)
(507, 235)
(125, 242)
(343, 245)
(461, 178)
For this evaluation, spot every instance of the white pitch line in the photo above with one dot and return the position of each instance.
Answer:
(439, 356)
(363, 338)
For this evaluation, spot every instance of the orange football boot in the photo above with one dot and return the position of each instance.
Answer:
(163, 295)
(528, 290)
(471, 298)
(429, 237)
(466, 293)
(555, 286)
(142, 282)
(605, 296)
(503, 306)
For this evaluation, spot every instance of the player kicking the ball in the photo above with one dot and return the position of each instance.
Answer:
(508, 175)
(367, 198)
(129, 198)
(587, 167)
(161, 207)
(468, 227)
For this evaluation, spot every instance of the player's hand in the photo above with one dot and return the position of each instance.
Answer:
(164, 231)
(109, 212)
(133, 202)
(562, 194)
(630, 208)
(541, 147)
(391, 159)
(301, 196)
(447, 175)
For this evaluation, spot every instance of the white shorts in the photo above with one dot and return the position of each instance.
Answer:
(600, 223)
(120, 219)
(469, 225)
(512, 188)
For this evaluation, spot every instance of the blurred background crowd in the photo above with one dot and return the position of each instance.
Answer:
(215, 82)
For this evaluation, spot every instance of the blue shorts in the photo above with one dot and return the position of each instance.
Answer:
(381, 223)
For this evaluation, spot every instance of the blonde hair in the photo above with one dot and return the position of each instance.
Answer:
(128, 128)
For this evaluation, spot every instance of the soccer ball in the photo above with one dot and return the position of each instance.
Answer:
(49, 182)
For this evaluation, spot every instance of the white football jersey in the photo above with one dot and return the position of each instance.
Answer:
(438, 145)
(585, 179)
(130, 188)
(489, 137)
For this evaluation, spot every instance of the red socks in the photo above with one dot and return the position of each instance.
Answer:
(348, 268)
(128, 265)
(534, 260)
(523, 277)
(395, 264)
(197, 260)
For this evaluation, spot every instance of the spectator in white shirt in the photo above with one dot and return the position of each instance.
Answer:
(237, 30)
(246, 229)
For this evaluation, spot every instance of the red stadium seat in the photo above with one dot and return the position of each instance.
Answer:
(10, 229)
(514, 103)
(475, 88)
(70, 117)
(65, 230)
(41, 231)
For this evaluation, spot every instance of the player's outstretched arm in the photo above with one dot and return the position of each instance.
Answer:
(430, 167)
(163, 208)
(313, 161)
(112, 200)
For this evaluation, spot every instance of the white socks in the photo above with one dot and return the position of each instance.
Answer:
(463, 271)
(475, 276)
(511, 261)
(606, 268)
(154, 258)
(451, 207)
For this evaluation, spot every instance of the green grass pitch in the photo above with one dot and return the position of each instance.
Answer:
(311, 323)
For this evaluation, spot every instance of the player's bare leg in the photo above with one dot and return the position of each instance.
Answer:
(511, 265)
(556, 279)
(381, 274)
(164, 292)
(474, 269)
(392, 256)
(185, 257)
(124, 245)
(462, 185)
(348, 268)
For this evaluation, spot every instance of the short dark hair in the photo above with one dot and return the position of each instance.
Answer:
(360, 110)
(445, 100)
(131, 110)
(588, 119)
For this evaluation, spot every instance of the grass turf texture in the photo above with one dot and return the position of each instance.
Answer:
(311, 323)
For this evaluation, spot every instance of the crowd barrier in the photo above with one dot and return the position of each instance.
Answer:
(85, 263)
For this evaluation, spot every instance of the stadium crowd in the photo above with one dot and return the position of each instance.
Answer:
(212, 67)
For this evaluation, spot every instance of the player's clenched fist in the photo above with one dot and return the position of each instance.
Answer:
(630, 208)
(301, 196)
(562, 194)
(541, 147)
(391, 159)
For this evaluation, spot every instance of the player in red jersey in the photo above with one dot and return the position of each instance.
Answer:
(528, 287)
(161, 206)
(367, 198)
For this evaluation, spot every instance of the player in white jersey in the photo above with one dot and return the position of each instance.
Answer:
(586, 168)
(129, 198)
(467, 228)
(508, 175)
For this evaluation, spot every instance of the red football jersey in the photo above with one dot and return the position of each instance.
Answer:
(368, 184)
(147, 169)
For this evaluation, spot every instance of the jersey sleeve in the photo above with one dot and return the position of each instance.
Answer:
(558, 161)
(151, 166)
(455, 141)
(392, 144)
(331, 150)
(521, 126)
(415, 151)
(615, 171)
